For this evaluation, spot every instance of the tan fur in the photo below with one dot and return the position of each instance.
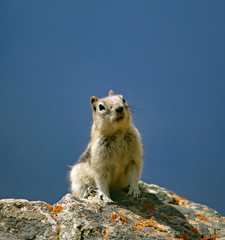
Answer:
(113, 158)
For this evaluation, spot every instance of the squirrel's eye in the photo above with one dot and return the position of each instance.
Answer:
(124, 100)
(101, 107)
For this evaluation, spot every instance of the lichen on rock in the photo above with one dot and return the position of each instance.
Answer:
(157, 214)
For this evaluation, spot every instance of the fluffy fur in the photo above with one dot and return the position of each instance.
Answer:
(113, 158)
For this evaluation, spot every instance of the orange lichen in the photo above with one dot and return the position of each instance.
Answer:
(104, 235)
(114, 217)
(55, 210)
(150, 207)
(123, 219)
(96, 229)
(167, 217)
(58, 209)
(136, 228)
(49, 207)
(185, 237)
(201, 218)
(195, 230)
(140, 224)
(210, 238)
(149, 223)
(223, 218)
(179, 200)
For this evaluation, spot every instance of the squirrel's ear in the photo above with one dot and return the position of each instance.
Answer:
(111, 93)
(93, 102)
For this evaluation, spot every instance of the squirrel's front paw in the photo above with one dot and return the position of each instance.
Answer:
(134, 191)
(105, 198)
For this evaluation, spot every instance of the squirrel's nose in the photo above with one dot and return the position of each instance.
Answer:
(119, 110)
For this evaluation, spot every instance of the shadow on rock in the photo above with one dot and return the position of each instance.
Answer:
(159, 206)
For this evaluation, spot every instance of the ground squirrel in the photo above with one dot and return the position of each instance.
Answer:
(113, 157)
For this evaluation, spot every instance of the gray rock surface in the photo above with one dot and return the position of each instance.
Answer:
(157, 214)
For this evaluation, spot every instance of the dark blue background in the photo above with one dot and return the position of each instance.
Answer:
(165, 57)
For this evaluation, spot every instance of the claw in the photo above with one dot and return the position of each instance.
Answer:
(88, 191)
(105, 198)
(134, 191)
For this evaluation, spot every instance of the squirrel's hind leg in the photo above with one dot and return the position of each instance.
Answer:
(81, 182)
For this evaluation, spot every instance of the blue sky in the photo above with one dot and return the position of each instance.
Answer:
(166, 58)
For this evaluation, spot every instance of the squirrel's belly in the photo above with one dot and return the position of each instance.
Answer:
(120, 177)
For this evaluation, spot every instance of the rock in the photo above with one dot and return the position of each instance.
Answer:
(157, 214)
(21, 219)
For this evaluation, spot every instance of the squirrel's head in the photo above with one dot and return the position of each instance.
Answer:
(110, 113)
